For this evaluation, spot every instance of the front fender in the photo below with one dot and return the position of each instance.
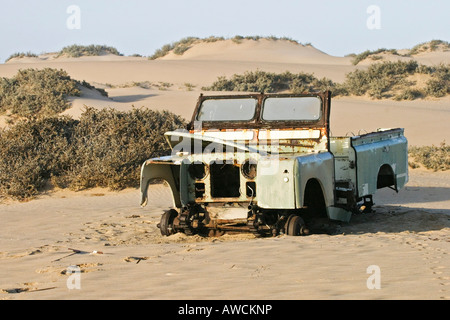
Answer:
(160, 169)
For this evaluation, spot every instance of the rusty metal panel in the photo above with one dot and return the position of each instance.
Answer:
(375, 150)
(344, 159)
(319, 166)
(257, 122)
(160, 169)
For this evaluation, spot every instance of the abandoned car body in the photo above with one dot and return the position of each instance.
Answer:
(266, 164)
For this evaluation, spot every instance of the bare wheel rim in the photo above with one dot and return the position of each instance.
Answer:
(166, 224)
(295, 226)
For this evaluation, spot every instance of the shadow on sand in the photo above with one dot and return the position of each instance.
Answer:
(132, 98)
(406, 211)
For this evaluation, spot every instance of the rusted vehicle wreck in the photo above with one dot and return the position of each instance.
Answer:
(266, 164)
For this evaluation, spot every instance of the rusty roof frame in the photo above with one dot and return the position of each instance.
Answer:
(257, 122)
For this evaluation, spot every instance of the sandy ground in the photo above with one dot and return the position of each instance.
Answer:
(119, 250)
(407, 238)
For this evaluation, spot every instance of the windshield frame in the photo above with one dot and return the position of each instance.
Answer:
(257, 122)
(263, 106)
(255, 109)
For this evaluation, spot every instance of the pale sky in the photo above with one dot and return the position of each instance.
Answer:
(337, 27)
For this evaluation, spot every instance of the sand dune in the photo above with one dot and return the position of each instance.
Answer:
(120, 253)
(263, 50)
(426, 58)
(204, 62)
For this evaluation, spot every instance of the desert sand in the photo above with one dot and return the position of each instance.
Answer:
(118, 249)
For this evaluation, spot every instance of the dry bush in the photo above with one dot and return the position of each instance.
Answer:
(431, 46)
(112, 145)
(431, 157)
(372, 54)
(76, 50)
(379, 81)
(34, 92)
(439, 85)
(181, 46)
(103, 149)
(32, 152)
(261, 81)
(21, 55)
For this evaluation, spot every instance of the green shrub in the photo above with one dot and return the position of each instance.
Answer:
(159, 53)
(379, 78)
(181, 46)
(408, 94)
(439, 84)
(85, 84)
(261, 81)
(378, 86)
(112, 145)
(237, 39)
(76, 51)
(189, 86)
(373, 54)
(258, 81)
(178, 47)
(213, 39)
(33, 92)
(21, 55)
(431, 45)
(434, 158)
(103, 149)
(32, 152)
(436, 88)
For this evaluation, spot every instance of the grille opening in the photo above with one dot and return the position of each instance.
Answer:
(225, 180)
(249, 169)
(197, 170)
(199, 190)
(251, 189)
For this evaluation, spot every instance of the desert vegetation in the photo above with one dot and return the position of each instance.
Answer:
(429, 46)
(21, 55)
(181, 46)
(178, 47)
(34, 92)
(39, 92)
(380, 80)
(261, 81)
(431, 157)
(75, 50)
(432, 45)
(103, 148)
(374, 55)
(160, 85)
